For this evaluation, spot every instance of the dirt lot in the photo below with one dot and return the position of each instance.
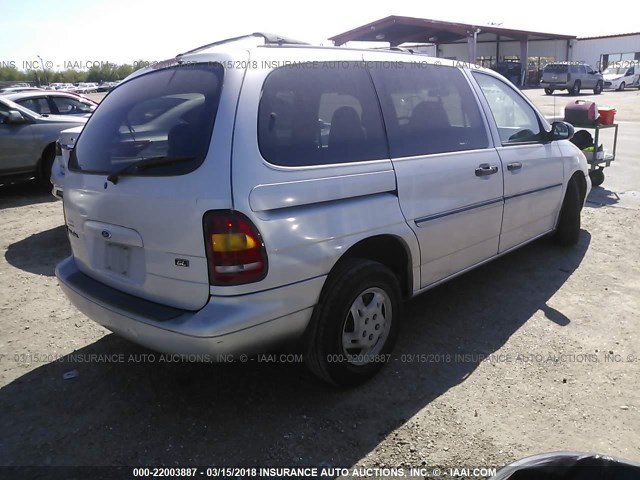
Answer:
(537, 351)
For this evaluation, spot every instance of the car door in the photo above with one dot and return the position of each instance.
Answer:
(533, 176)
(16, 145)
(590, 78)
(631, 78)
(449, 177)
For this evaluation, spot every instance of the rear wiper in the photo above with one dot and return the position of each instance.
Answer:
(145, 164)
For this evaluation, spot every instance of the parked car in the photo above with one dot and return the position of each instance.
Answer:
(233, 227)
(54, 103)
(114, 84)
(8, 90)
(86, 88)
(619, 78)
(571, 77)
(64, 145)
(27, 141)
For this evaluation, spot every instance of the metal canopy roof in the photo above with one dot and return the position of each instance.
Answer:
(398, 30)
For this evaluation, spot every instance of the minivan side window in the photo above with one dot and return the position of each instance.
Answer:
(318, 114)
(428, 109)
(517, 122)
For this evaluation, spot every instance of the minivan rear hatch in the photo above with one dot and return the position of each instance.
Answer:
(140, 179)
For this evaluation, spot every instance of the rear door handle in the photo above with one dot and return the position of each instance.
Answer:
(485, 169)
(514, 166)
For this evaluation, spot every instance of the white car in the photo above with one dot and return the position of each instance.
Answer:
(287, 196)
(9, 90)
(65, 144)
(86, 88)
(622, 77)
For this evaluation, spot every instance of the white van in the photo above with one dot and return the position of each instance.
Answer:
(618, 77)
(258, 193)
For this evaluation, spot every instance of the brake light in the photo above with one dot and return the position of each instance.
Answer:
(235, 250)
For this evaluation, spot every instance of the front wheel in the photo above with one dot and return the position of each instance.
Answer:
(622, 86)
(598, 88)
(355, 323)
(568, 227)
(548, 91)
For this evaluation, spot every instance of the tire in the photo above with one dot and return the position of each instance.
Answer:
(622, 87)
(597, 177)
(46, 163)
(548, 91)
(352, 337)
(568, 227)
(598, 88)
(575, 90)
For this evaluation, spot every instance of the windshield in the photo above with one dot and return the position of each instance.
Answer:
(165, 113)
(615, 71)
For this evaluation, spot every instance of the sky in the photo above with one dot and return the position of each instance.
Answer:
(74, 32)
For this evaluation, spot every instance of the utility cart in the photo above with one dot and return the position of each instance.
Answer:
(599, 160)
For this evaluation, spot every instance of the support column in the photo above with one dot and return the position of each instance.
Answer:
(497, 48)
(472, 46)
(524, 59)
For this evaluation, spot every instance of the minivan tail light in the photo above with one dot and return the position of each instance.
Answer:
(234, 247)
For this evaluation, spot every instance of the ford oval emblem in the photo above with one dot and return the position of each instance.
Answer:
(106, 233)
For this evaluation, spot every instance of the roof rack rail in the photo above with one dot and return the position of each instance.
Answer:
(269, 39)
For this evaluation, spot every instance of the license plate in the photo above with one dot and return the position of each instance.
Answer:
(117, 259)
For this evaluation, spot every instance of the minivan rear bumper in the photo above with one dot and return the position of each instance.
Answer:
(245, 324)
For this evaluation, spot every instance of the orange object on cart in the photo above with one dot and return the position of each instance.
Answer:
(606, 116)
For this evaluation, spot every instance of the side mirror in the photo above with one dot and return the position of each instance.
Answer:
(561, 131)
(15, 118)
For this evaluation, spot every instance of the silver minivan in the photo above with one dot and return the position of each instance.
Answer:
(258, 194)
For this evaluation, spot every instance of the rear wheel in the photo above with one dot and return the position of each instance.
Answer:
(598, 88)
(575, 90)
(548, 91)
(568, 227)
(355, 323)
(597, 177)
(46, 163)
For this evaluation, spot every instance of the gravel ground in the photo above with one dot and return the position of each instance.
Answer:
(537, 351)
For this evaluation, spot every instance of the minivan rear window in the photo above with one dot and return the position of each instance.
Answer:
(320, 113)
(166, 115)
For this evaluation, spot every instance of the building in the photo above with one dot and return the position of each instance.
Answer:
(490, 45)
(602, 51)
